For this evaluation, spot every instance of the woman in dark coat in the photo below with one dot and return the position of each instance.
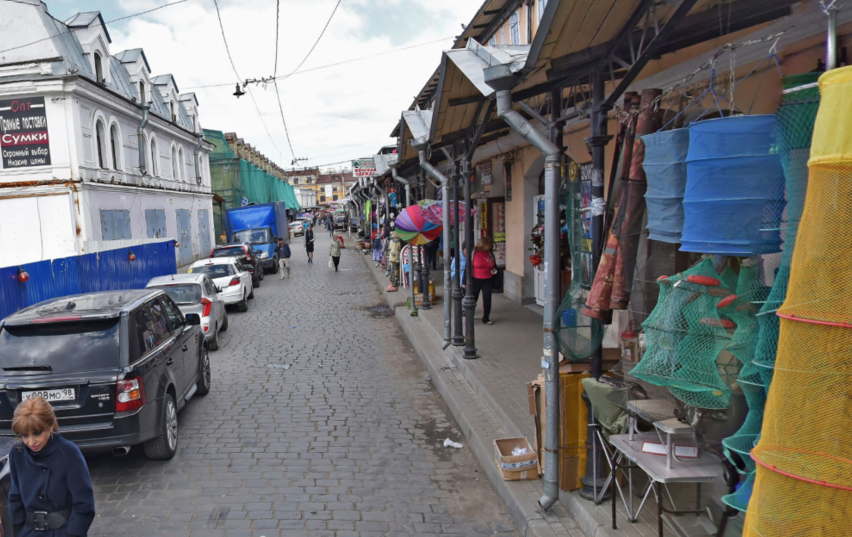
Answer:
(309, 243)
(48, 475)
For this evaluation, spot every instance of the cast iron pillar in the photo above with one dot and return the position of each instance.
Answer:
(424, 272)
(469, 302)
(458, 320)
(594, 479)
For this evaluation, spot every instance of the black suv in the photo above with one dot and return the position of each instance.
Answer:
(248, 257)
(117, 366)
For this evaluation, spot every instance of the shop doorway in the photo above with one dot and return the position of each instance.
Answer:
(492, 224)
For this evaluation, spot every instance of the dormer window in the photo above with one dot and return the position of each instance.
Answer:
(99, 69)
(142, 92)
(172, 108)
(194, 128)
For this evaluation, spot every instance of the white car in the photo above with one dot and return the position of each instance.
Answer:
(297, 228)
(230, 276)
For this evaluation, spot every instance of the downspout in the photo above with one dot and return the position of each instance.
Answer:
(407, 183)
(445, 202)
(197, 159)
(140, 133)
(552, 158)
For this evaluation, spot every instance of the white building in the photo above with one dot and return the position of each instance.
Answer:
(307, 197)
(95, 149)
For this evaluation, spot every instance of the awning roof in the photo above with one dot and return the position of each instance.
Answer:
(415, 126)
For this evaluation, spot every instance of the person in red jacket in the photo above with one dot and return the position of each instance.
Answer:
(484, 268)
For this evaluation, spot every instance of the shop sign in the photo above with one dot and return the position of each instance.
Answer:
(586, 263)
(498, 221)
(507, 174)
(23, 133)
(364, 167)
(485, 172)
(328, 191)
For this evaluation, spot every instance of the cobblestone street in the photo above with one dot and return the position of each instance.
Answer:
(321, 422)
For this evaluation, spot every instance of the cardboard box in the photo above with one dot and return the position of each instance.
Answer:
(611, 357)
(516, 467)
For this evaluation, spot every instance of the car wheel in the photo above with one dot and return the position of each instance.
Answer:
(262, 273)
(243, 304)
(164, 446)
(205, 376)
(224, 324)
(255, 282)
(213, 343)
(251, 293)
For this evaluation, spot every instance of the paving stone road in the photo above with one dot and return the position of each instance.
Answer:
(321, 422)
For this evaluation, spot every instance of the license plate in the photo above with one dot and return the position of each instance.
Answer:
(62, 394)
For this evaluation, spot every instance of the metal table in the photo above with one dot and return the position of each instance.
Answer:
(704, 469)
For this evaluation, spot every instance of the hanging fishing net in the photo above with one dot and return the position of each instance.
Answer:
(803, 485)
(685, 339)
(576, 334)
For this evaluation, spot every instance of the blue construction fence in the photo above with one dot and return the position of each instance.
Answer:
(101, 271)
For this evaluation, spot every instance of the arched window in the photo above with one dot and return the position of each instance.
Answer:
(175, 174)
(515, 29)
(142, 92)
(541, 5)
(155, 157)
(115, 146)
(99, 69)
(100, 138)
(181, 165)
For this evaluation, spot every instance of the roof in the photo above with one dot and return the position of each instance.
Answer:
(415, 125)
(176, 278)
(84, 20)
(101, 304)
(132, 55)
(329, 178)
(163, 80)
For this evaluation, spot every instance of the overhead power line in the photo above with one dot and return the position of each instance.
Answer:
(361, 58)
(99, 24)
(322, 33)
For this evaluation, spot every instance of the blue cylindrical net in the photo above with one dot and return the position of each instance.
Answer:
(665, 171)
(733, 200)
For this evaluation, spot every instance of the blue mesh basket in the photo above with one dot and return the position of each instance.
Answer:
(665, 171)
(734, 196)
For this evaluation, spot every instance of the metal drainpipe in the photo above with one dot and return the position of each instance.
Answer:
(552, 157)
(831, 37)
(445, 202)
(197, 159)
(407, 183)
(423, 263)
(140, 133)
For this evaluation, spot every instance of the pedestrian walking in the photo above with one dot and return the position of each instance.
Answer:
(334, 252)
(283, 251)
(51, 491)
(393, 262)
(330, 225)
(484, 269)
(377, 248)
(431, 250)
(309, 243)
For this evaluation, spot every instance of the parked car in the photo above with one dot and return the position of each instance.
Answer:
(231, 276)
(297, 228)
(339, 222)
(353, 225)
(247, 256)
(196, 293)
(117, 366)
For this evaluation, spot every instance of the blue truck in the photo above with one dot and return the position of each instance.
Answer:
(259, 225)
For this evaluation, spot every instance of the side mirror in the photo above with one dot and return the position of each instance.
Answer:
(193, 319)
(218, 289)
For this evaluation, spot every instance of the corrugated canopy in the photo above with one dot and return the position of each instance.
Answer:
(415, 129)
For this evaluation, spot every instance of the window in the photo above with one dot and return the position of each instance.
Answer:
(161, 327)
(142, 92)
(99, 69)
(492, 41)
(115, 224)
(175, 175)
(181, 165)
(172, 108)
(515, 29)
(115, 145)
(194, 128)
(541, 5)
(503, 35)
(100, 137)
(176, 320)
(155, 156)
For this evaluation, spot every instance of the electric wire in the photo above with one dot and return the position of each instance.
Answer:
(322, 33)
(234, 67)
(361, 58)
(99, 24)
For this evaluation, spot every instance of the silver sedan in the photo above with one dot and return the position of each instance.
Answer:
(196, 293)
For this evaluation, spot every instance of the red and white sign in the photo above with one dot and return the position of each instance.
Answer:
(23, 133)
(365, 167)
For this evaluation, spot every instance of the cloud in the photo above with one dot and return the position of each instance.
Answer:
(348, 110)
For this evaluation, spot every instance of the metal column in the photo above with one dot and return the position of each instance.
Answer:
(469, 302)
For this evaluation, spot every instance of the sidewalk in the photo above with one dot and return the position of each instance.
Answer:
(488, 398)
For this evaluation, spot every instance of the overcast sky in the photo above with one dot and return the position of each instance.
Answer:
(333, 114)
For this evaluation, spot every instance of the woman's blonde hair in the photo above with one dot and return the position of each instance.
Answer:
(34, 414)
(484, 244)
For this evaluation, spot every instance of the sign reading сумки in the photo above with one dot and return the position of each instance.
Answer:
(23, 133)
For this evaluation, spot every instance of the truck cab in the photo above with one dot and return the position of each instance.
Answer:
(260, 226)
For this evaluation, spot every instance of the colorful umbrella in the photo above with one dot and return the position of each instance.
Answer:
(433, 211)
(414, 229)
